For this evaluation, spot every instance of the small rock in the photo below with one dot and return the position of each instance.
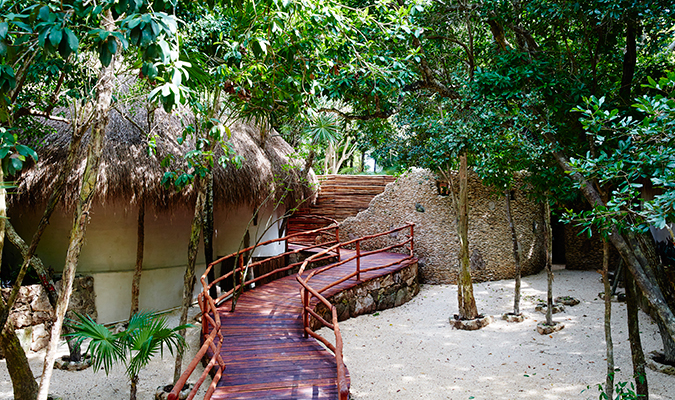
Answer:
(470, 324)
(567, 300)
(162, 392)
(511, 317)
(557, 308)
(545, 329)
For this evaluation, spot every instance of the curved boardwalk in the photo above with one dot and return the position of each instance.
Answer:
(265, 353)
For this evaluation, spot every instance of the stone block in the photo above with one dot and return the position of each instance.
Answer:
(363, 305)
(40, 302)
(25, 336)
(40, 337)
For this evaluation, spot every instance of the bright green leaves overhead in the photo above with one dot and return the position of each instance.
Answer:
(632, 153)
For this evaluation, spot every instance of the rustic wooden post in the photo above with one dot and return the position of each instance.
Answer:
(305, 314)
(358, 260)
(412, 238)
(337, 238)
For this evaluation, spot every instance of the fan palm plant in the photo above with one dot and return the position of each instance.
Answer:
(145, 337)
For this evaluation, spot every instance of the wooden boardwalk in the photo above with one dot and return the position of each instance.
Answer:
(264, 350)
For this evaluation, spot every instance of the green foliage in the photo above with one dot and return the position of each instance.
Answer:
(632, 153)
(145, 337)
(622, 390)
(12, 154)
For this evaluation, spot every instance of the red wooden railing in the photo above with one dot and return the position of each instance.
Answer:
(306, 293)
(211, 325)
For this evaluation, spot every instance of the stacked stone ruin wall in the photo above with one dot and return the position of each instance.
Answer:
(32, 315)
(415, 198)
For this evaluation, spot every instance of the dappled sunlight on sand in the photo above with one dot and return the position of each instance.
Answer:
(411, 352)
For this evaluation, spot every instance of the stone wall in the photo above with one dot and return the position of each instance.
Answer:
(584, 253)
(415, 198)
(32, 314)
(381, 293)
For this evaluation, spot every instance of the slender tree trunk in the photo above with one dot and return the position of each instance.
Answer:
(208, 232)
(637, 355)
(45, 279)
(629, 62)
(23, 383)
(548, 239)
(87, 191)
(189, 279)
(35, 261)
(636, 264)
(465, 298)
(134, 387)
(516, 252)
(655, 268)
(138, 270)
(609, 382)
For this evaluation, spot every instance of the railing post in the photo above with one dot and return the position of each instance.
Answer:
(412, 238)
(337, 239)
(305, 314)
(358, 260)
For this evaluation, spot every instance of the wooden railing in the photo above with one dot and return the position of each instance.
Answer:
(306, 293)
(208, 305)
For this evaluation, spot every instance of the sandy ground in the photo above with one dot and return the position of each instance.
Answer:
(411, 352)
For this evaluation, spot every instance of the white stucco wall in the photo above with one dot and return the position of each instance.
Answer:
(109, 251)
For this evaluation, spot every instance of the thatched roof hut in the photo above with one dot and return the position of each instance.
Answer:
(128, 173)
(128, 176)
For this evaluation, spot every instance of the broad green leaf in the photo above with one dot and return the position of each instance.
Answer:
(26, 151)
(44, 13)
(73, 42)
(55, 36)
(104, 55)
(4, 28)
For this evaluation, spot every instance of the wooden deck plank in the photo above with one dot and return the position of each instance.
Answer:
(264, 350)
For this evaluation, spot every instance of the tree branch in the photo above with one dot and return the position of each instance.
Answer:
(363, 117)
(35, 113)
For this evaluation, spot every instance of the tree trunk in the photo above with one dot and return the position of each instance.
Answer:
(516, 252)
(134, 387)
(637, 355)
(23, 383)
(548, 239)
(140, 244)
(208, 232)
(629, 62)
(87, 191)
(655, 268)
(35, 261)
(45, 279)
(635, 263)
(189, 278)
(609, 381)
(465, 299)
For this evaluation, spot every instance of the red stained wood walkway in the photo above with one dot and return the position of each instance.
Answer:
(264, 350)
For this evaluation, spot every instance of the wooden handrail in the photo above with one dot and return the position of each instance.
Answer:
(211, 323)
(307, 292)
(211, 317)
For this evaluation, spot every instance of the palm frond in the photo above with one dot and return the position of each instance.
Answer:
(104, 346)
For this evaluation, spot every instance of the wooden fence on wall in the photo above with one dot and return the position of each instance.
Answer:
(343, 196)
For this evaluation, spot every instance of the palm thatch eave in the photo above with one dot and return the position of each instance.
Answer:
(129, 174)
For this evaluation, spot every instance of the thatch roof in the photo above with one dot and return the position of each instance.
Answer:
(129, 174)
